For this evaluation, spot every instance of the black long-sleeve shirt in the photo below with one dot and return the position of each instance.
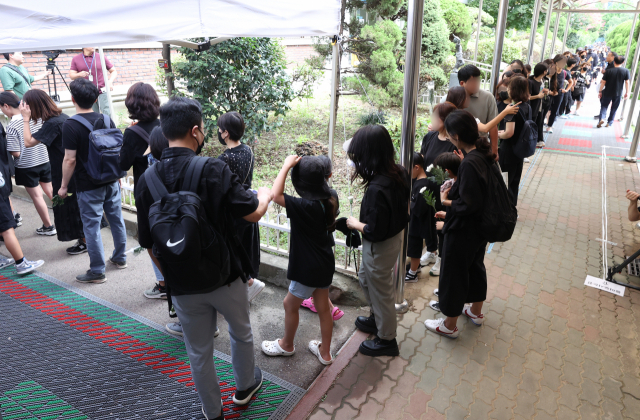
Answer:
(133, 148)
(385, 207)
(468, 193)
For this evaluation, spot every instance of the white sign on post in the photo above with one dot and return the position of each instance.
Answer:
(602, 284)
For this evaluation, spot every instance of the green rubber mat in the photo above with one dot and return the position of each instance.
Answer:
(67, 355)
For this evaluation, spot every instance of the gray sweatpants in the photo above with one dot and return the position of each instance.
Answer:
(198, 313)
(102, 105)
(376, 279)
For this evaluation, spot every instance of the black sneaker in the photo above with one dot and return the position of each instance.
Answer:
(367, 324)
(46, 231)
(411, 278)
(77, 249)
(18, 219)
(243, 397)
(119, 264)
(435, 305)
(90, 277)
(379, 347)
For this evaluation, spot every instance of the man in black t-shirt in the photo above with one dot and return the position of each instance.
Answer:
(611, 86)
(224, 198)
(94, 199)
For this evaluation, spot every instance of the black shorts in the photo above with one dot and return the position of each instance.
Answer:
(414, 246)
(32, 177)
(7, 221)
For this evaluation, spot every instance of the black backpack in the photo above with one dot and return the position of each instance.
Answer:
(525, 146)
(186, 244)
(499, 215)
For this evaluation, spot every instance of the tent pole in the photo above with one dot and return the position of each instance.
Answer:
(566, 32)
(547, 22)
(334, 88)
(636, 133)
(626, 64)
(555, 34)
(166, 54)
(409, 114)
(478, 25)
(632, 105)
(501, 25)
(534, 30)
(107, 84)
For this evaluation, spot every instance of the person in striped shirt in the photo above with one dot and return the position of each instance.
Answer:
(33, 170)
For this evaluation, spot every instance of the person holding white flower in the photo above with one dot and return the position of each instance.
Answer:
(463, 276)
(421, 226)
(434, 144)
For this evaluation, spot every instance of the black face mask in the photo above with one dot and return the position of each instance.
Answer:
(220, 139)
(504, 95)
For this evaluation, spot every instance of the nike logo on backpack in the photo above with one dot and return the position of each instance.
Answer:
(172, 244)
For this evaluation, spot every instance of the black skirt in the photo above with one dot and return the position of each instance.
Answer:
(463, 277)
(249, 235)
(67, 219)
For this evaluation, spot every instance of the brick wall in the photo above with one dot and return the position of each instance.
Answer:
(133, 65)
(297, 53)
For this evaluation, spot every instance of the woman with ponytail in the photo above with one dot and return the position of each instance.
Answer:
(463, 277)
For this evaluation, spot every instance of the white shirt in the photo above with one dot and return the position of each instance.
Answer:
(29, 156)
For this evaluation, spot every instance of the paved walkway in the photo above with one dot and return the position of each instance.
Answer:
(550, 347)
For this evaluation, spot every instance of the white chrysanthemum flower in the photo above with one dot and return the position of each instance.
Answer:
(429, 168)
(422, 189)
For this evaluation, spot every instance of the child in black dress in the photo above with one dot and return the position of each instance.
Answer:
(421, 226)
(240, 159)
(311, 260)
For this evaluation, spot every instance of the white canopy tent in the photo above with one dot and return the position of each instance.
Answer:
(37, 25)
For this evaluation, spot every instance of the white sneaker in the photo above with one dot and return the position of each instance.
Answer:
(428, 258)
(435, 270)
(437, 326)
(576, 113)
(255, 289)
(541, 144)
(564, 117)
(6, 262)
(550, 130)
(476, 319)
(526, 160)
(435, 305)
(436, 292)
(26, 266)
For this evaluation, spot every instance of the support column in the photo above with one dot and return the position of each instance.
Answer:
(626, 64)
(409, 114)
(479, 25)
(634, 99)
(335, 69)
(534, 30)
(555, 35)
(166, 54)
(107, 85)
(566, 32)
(547, 22)
(636, 133)
(501, 25)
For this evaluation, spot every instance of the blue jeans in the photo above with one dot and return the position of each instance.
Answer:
(92, 204)
(604, 104)
(159, 276)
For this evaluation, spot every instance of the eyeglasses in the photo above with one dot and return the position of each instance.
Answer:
(203, 131)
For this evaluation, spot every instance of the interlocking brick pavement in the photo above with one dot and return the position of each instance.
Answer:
(551, 348)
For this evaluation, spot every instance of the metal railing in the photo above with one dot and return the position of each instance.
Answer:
(273, 240)
(126, 194)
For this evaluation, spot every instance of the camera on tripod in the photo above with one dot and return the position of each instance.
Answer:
(51, 65)
(51, 57)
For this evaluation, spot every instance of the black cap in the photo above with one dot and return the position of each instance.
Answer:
(309, 178)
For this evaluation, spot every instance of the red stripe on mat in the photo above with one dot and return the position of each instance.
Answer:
(578, 124)
(575, 142)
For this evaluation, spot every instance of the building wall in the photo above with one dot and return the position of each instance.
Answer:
(296, 54)
(133, 65)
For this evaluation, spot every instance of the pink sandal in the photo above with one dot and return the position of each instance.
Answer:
(337, 313)
(308, 303)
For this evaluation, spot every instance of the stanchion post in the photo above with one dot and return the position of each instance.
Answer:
(547, 22)
(634, 98)
(107, 85)
(534, 30)
(626, 64)
(501, 25)
(409, 115)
